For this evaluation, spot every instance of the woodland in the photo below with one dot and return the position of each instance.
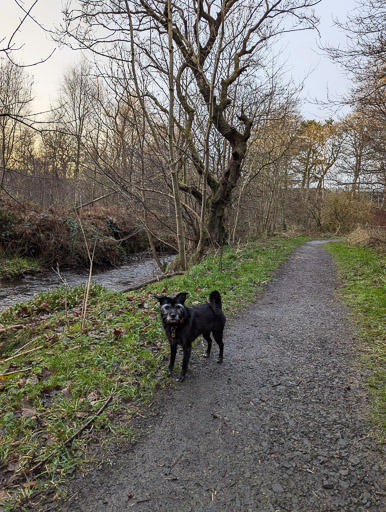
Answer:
(179, 130)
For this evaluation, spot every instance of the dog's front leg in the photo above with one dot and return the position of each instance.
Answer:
(185, 362)
(173, 352)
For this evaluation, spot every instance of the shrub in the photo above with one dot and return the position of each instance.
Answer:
(373, 237)
(342, 212)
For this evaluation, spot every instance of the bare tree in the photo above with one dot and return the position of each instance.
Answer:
(15, 99)
(318, 146)
(8, 46)
(234, 33)
(364, 57)
(75, 109)
(361, 163)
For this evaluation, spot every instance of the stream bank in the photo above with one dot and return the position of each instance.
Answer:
(24, 288)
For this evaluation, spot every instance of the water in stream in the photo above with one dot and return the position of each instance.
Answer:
(24, 288)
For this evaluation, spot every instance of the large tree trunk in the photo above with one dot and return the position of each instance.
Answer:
(229, 179)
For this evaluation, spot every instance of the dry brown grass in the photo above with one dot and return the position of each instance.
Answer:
(342, 212)
(56, 236)
(374, 237)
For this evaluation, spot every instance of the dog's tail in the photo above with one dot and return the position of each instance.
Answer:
(215, 299)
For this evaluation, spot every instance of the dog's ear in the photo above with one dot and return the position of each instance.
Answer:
(181, 297)
(161, 298)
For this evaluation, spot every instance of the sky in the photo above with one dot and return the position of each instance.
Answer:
(299, 53)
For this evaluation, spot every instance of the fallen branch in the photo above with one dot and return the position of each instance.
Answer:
(14, 327)
(22, 353)
(66, 442)
(156, 279)
(26, 345)
(16, 371)
(93, 201)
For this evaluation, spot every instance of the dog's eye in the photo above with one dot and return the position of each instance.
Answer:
(179, 306)
(166, 306)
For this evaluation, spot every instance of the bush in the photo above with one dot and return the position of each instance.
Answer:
(373, 237)
(55, 236)
(342, 212)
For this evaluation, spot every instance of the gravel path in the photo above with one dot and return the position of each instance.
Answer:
(280, 426)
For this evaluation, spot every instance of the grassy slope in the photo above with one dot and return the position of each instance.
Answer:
(363, 287)
(15, 266)
(120, 350)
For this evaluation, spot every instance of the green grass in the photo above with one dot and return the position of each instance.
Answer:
(15, 266)
(363, 275)
(120, 350)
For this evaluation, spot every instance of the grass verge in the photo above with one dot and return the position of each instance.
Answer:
(56, 370)
(363, 287)
(16, 266)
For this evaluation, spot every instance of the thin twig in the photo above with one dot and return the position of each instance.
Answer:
(26, 345)
(9, 327)
(16, 371)
(156, 279)
(71, 438)
(64, 281)
(22, 353)
(93, 201)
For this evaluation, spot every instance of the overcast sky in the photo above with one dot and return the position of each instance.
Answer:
(299, 52)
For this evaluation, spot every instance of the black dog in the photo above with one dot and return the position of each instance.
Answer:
(182, 325)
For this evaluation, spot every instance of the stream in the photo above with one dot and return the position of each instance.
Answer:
(24, 288)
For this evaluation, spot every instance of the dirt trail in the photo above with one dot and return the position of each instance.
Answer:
(280, 426)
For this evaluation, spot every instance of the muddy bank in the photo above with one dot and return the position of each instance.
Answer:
(57, 236)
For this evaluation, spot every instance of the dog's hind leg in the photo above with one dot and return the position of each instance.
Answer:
(209, 341)
(185, 362)
(218, 337)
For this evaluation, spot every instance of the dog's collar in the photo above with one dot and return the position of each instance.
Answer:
(174, 328)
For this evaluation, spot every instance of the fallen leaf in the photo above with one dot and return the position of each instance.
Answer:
(92, 397)
(45, 373)
(13, 466)
(3, 495)
(80, 414)
(28, 413)
(119, 332)
(66, 392)
(21, 382)
(33, 380)
(28, 485)
(27, 404)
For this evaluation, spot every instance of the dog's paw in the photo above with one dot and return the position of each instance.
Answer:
(206, 355)
(219, 360)
(181, 378)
